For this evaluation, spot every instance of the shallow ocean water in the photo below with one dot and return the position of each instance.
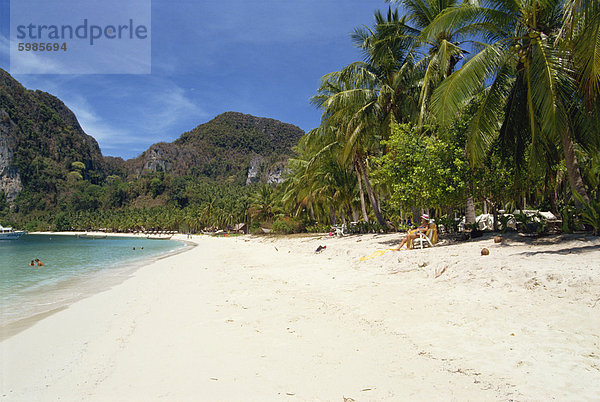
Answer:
(73, 268)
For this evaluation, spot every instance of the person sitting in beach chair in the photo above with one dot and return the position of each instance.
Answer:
(427, 238)
(413, 234)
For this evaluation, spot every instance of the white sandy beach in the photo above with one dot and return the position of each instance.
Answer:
(249, 318)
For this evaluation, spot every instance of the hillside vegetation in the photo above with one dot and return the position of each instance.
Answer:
(53, 175)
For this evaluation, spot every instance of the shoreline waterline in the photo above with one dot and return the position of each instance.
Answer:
(60, 295)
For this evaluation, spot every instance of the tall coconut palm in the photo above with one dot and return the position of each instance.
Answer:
(360, 101)
(528, 79)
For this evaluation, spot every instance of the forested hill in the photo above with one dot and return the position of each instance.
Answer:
(40, 138)
(233, 146)
(48, 163)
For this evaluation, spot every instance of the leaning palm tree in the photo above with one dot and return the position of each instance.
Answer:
(299, 193)
(523, 79)
(361, 101)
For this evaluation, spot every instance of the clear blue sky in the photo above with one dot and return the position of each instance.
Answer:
(260, 57)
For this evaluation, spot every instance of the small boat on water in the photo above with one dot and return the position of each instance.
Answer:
(159, 237)
(92, 235)
(10, 233)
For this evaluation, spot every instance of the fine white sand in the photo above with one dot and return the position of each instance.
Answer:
(251, 318)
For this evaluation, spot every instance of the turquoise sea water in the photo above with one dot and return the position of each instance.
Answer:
(74, 268)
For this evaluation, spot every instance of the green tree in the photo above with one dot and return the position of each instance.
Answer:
(4, 206)
(531, 86)
(423, 169)
(263, 203)
(361, 101)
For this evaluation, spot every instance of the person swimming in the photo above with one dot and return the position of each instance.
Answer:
(39, 263)
(32, 263)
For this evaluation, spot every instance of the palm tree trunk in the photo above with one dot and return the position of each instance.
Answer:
(363, 206)
(415, 215)
(371, 194)
(553, 203)
(470, 213)
(573, 171)
(331, 215)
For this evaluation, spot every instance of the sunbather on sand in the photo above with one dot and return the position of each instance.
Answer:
(414, 233)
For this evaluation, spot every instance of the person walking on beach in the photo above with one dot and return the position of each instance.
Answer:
(413, 234)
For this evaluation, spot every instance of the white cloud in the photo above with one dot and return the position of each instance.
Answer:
(106, 135)
(151, 121)
(27, 62)
(166, 105)
(4, 46)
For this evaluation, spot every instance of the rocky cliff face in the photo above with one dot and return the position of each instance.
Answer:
(39, 139)
(10, 181)
(261, 170)
(232, 146)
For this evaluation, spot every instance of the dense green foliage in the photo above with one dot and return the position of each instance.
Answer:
(422, 168)
(155, 201)
(44, 138)
(197, 182)
(458, 106)
(455, 107)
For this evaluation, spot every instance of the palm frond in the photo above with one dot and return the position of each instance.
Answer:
(468, 18)
(587, 59)
(456, 90)
(484, 126)
(547, 63)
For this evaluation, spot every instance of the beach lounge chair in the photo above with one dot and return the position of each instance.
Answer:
(340, 230)
(429, 238)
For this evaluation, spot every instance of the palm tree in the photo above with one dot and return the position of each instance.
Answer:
(527, 77)
(263, 203)
(318, 180)
(361, 101)
(441, 52)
